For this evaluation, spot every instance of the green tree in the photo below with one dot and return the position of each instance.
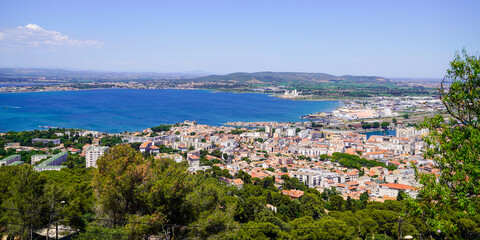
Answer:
(211, 208)
(392, 167)
(364, 197)
(161, 128)
(325, 228)
(387, 218)
(269, 216)
(467, 228)
(366, 125)
(22, 199)
(79, 198)
(336, 203)
(164, 190)
(120, 172)
(246, 178)
(312, 205)
(454, 147)
(385, 125)
(96, 232)
(110, 141)
(130, 187)
(401, 196)
(376, 125)
(262, 230)
(248, 208)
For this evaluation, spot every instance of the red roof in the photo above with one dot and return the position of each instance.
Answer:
(352, 183)
(145, 144)
(238, 182)
(397, 186)
(293, 193)
(194, 157)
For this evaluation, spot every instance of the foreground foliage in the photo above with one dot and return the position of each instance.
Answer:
(454, 147)
(131, 196)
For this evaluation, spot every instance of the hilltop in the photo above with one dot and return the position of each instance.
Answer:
(25, 75)
(311, 86)
(307, 86)
(293, 77)
(244, 77)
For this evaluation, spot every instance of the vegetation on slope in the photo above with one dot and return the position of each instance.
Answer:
(131, 196)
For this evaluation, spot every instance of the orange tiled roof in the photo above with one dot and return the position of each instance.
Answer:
(145, 144)
(385, 197)
(293, 193)
(398, 186)
(238, 182)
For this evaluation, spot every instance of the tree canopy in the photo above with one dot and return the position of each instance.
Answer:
(454, 147)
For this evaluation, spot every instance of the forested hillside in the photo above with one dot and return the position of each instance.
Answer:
(131, 196)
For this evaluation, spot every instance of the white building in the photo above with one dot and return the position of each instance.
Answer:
(10, 160)
(38, 158)
(392, 189)
(317, 177)
(410, 132)
(291, 132)
(310, 178)
(53, 163)
(292, 93)
(93, 154)
(46, 141)
(269, 130)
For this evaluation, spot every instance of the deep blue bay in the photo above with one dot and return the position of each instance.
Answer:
(118, 110)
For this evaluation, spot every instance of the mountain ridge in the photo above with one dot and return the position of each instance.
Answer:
(277, 77)
(239, 77)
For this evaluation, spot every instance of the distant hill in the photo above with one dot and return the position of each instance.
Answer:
(9, 74)
(418, 80)
(279, 77)
(47, 72)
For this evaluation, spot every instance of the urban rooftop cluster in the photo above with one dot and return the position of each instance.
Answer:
(330, 151)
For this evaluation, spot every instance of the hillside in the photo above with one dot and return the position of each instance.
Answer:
(62, 75)
(239, 77)
(310, 86)
(293, 77)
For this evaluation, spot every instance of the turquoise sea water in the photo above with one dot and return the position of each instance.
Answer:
(118, 110)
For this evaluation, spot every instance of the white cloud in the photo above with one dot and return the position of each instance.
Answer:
(33, 35)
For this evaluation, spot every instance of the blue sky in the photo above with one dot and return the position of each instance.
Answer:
(383, 38)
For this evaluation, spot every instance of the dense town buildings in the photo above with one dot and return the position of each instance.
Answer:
(301, 150)
(296, 149)
(273, 149)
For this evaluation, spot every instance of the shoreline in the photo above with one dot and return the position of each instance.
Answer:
(71, 93)
(279, 96)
